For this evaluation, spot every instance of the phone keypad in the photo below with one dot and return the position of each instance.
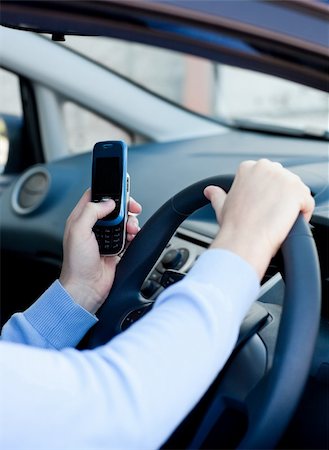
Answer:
(110, 239)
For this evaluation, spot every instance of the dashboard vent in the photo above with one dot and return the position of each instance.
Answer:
(30, 190)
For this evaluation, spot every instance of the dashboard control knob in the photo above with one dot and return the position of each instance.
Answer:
(148, 288)
(174, 259)
(171, 259)
(170, 277)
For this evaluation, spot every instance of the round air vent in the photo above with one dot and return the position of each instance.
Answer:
(30, 190)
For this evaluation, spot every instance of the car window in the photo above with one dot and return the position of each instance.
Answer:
(161, 71)
(208, 88)
(84, 128)
(10, 105)
(247, 95)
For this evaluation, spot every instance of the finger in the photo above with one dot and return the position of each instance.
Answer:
(277, 164)
(307, 207)
(133, 225)
(130, 237)
(93, 212)
(134, 207)
(217, 197)
(246, 165)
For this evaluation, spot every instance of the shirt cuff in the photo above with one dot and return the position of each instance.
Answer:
(57, 318)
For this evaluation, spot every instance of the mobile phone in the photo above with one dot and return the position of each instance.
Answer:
(111, 180)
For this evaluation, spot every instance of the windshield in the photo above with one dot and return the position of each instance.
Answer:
(217, 91)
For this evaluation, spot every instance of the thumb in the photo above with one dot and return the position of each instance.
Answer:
(93, 212)
(217, 197)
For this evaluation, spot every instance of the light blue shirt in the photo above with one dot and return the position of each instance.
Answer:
(134, 391)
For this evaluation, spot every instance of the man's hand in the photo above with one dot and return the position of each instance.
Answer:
(259, 211)
(87, 276)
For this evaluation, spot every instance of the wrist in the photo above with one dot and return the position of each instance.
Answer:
(82, 294)
(253, 250)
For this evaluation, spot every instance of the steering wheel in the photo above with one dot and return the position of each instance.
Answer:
(272, 403)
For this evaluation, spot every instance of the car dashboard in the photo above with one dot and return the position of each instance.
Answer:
(36, 204)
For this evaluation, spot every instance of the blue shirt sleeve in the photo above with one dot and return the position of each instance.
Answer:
(132, 392)
(53, 321)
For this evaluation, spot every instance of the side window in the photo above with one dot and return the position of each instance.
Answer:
(84, 128)
(10, 112)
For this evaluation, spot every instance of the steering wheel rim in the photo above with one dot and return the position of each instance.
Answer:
(268, 410)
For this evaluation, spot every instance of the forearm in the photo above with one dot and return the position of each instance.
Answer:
(177, 350)
(144, 382)
(53, 321)
(251, 251)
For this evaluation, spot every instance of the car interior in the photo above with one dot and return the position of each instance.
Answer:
(275, 387)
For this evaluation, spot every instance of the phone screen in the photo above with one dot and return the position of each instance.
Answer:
(107, 181)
